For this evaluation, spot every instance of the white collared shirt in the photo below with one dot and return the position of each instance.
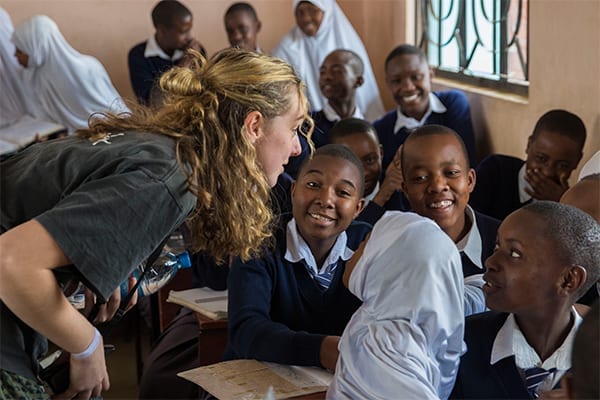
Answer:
(154, 50)
(297, 249)
(510, 341)
(470, 244)
(523, 195)
(372, 195)
(333, 116)
(435, 105)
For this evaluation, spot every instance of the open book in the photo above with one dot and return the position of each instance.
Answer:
(212, 303)
(25, 131)
(252, 379)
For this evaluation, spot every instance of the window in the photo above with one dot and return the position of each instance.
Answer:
(483, 42)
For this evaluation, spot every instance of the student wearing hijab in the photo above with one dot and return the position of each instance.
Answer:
(322, 27)
(61, 84)
(12, 101)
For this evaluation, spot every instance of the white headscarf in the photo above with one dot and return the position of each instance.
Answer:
(306, 54)
(62, 84)
(12, 103)
(406, 339)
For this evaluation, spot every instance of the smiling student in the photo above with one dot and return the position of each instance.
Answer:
(290, 305)
(408, 78)
(547, 255)
(553, 151)
(437, 183)
(242, 26)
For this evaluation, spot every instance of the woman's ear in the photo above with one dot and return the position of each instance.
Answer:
(252, 126)
(572, 279)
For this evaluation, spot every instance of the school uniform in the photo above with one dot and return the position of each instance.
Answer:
(279, 308)
(449, 108)
(373, 211)
(500, 187)
(498, 355)
(147, 62)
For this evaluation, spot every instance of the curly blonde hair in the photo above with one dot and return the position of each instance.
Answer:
(204, 108)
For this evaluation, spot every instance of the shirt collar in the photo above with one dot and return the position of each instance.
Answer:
(523, 195)
(510, 341)
(403, 121)
(373, 194)
(297, 249)
(470, 244)
(154, 50)
(333, 116)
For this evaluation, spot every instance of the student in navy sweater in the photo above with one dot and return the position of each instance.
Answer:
(408, 77)
(382, 191)
(553, 151)
(546, 257)
(437, 182)
(290, 306)
(163, 50)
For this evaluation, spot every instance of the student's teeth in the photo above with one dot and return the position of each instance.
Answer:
(320, 217)
(410, 98)
(440, 204)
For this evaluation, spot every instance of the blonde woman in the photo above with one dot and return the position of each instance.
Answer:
(102, 201)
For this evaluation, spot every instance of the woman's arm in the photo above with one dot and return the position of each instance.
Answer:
(28, 254)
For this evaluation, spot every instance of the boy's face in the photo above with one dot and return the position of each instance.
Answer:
(177, 36)
(325, 199)
(337, 79)
(242, 30)
(553, 155)
(523, 273)
(369, 152)
(438, 181)
(308, 18)
(409, 80)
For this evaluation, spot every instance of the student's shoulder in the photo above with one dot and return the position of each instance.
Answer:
(488, 322)
(138, 50)
(453, 98)
(495, 161)
(387, 119)
(356, 233)
(484, 220)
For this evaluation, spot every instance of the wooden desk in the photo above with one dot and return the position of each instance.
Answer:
(212, 339)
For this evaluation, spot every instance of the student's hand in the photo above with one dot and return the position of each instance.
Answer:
(108, 310)
(555, 394)
(543, 188)
(88, 377)
(329, 352)
(391, 182)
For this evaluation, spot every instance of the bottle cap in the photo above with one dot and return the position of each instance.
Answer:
(184, 260)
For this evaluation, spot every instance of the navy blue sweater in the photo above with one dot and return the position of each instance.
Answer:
(278, 313)
(456, 117)
(143, 71)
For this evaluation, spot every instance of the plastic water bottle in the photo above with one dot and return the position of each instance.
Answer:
(160, 273)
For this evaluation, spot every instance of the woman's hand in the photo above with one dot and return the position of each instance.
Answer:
(108, 310)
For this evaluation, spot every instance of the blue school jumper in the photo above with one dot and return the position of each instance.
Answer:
(456, 117)
(143, 72)
(372, 211)
(476, 378)
(488, 230)
(279, 313)
(496, 192)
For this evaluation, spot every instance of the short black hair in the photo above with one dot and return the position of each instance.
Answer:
(168, 12)
(242, 7)
(405, 49)
(351, 126)
(355, 62)
(428, 130)
(339, 151)
(575, 235)
(562, 122)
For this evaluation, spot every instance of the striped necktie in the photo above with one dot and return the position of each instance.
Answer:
(323, 278)
(534, 378)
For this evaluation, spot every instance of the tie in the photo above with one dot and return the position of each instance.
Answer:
(323, 278)
(534, 378)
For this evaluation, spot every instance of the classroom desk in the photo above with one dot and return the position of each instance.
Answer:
(212, 339)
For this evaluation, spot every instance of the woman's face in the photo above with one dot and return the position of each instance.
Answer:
(22, 58)
(278, 140)
(308, 18)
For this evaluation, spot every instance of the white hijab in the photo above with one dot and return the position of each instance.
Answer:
(62, 84)
(306, 54)
(12, 98)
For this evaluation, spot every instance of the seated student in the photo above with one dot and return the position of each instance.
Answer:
(582, 382)
(242, 26)
(405, 340)
(166, 48)
(505, 183)
(437, 182)
(60, 84)
(547, 256)
(177, 349)
(322, 27)
(340, 75)
(12, 101)
(382, 192)
(290, 306)
(408, 78)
